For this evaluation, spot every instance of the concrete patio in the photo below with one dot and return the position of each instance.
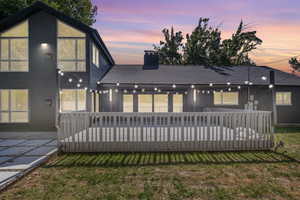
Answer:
(21, 152)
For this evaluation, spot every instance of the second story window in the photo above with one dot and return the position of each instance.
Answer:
(95, 55)
(71, 48)
(14, 49)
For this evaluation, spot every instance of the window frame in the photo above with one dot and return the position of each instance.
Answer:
(282, 100)
(10, 111)
(95, 55)
(123, 106)
(76, 100)
(10, 59)
(76, 60)
(173, 105)
(222, 99)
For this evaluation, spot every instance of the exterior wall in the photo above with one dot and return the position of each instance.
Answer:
(289, 114)
(42, 79)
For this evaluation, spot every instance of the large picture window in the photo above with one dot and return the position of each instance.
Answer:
(145, 103)
(14, 106)
(226, 98)
(95, 55)
(73, 100)
(71, 48)
(177, 103)
(127, 103)
(160, 103)
(14, 49)
(283, 98)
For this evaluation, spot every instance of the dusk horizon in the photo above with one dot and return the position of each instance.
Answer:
(129, 27)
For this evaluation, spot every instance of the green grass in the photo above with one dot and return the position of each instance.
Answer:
(216, 176)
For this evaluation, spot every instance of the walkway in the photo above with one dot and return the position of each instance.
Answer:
(20, 153)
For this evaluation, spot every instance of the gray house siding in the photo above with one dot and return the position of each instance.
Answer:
(289, 114)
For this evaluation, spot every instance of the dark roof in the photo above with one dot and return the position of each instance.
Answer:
(180, 74)
(39, 6)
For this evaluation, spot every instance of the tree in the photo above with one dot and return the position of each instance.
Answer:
(295, 64)
(235, 51)
(169, 49)
(203, 45)
(82, 10)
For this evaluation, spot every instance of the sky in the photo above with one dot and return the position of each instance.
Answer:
(128, 27)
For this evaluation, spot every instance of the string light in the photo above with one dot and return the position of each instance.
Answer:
(192, 86)
(116, 90)
(125, 91)
(98, 82)
(211, 84)
(143, 90)
(159, 90)
(250, 83)
(118, 84)
(229, 89)
(271, 86)
(155, 89)
(228, 83)
(246, 82)
(239, 87)
(264, 78)
(173, 86)
(80, 80)
(85, 88)
(70, 80)
(134, 91)
(136, 86)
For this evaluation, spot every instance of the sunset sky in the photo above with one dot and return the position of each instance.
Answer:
(129, 27)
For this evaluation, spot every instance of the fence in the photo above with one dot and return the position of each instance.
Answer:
(154, 132)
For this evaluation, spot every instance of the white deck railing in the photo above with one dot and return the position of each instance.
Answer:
(150, 132)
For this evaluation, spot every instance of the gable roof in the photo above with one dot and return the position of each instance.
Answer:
(180, 74)
(38, 6)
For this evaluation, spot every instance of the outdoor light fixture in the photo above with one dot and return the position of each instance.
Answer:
(239, 87)
(110, 95)
(118, 84)
(246, 82)
(211, 84)
(98, 82)
(192, 86)
(44, 45)
(136, 86)
(271, 86)
(70, 80)
(61, 73)
(80, 80)
(78, 85)
(173, 86)
(250, 83)
(264, 78)
(155, 89)
(228, 83)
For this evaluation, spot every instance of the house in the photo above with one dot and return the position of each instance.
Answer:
(51, 63)
(34, 44)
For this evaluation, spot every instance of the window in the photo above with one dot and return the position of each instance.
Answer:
(71, 48)
(226, 98)
(145, 103)
(283, 98)
(177, 103)
(97, 102)
(14, 49)
(73, 100)
(14, 106)
(127, 103)
(161, 103)
(95, 55)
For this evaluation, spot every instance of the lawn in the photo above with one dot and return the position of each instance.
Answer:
(246, 175)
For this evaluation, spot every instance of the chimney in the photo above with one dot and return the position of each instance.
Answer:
(151, 60)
